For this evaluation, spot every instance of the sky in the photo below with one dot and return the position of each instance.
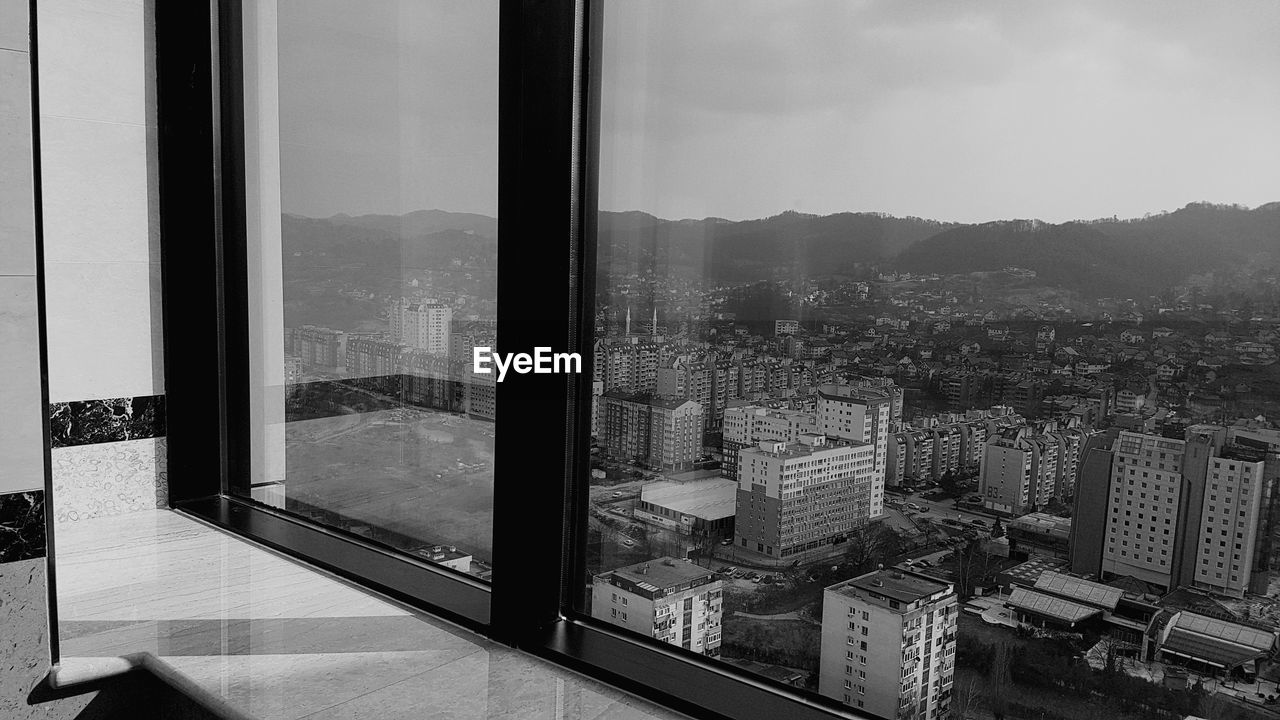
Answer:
(960, 111)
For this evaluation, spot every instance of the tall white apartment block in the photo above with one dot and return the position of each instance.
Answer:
(861, 414)
(802, 498)
(1146, 492)
(672, 600)
(423, 325)
(1228, 526)
(889, 643)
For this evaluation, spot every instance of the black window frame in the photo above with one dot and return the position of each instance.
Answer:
(549, 113)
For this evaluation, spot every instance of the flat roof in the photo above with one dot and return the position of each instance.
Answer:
(799, 450)
(708, 499)
(1051, 606)
(1079, 590)
(661, 573)
(893, 584)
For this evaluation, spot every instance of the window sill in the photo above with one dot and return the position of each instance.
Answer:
(252, 634)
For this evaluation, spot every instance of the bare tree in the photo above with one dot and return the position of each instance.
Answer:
(964, 699)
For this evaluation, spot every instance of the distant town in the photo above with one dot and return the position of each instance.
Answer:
(922, 495)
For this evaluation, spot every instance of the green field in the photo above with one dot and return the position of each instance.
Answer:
(423, 473)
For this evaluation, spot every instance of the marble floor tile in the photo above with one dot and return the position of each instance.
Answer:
(279, 640)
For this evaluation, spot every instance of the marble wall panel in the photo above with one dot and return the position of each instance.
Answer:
(109, 478)
(22, 535)
(85, 422)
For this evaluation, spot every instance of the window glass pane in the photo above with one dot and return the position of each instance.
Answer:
(371, 156)
(887, 293)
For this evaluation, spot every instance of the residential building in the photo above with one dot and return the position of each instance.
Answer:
(746, 425)
(802, 498)
(861, 414)
(672, 600)
(889, 643)
(1019, 471)
(318, 348)
(658, 433)
(422, 325)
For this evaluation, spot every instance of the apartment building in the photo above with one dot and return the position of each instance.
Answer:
(674, 601)
(657, 433)
(422, 325)
(746, 425)
(319, 348)
(1019, 470)
(801, 499)
(889, 643)
(861, 414)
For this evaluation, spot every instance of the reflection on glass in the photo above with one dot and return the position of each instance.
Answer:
(371, 158)
(908, 309)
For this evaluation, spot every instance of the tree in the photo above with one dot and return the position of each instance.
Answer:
(964, 699)
(870, 545)
(997, 530)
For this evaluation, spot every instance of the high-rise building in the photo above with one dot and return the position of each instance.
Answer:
(662, 434)
(422, 325)
(889, 643)
(1143, 508)
(1178, 512)
(803, 498)
(861, 414)
(1227, 527)
(672, 600)
(1092, 496)
(1019, 471)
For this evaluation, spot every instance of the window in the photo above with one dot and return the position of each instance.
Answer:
(683, 318)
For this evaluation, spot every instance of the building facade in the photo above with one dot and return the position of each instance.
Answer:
(802, 499)
(889, 643)
(674, 601)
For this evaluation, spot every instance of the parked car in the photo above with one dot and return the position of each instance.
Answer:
(628, 542)
(727, 541)
(979, 523)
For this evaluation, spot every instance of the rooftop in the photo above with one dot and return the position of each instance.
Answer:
(1050, 606)
(895, 585)
(1076, 589)
(707, 499)
(662, 573)
(796, 449)
(1028, 572)
(1043, 523)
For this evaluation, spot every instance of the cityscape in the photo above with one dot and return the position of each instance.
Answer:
(926, 495)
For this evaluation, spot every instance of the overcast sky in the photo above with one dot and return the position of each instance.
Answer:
(743, 108)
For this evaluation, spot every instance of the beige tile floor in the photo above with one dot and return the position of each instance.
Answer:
(278, 640)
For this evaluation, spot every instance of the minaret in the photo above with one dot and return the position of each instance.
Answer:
(628, 330)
